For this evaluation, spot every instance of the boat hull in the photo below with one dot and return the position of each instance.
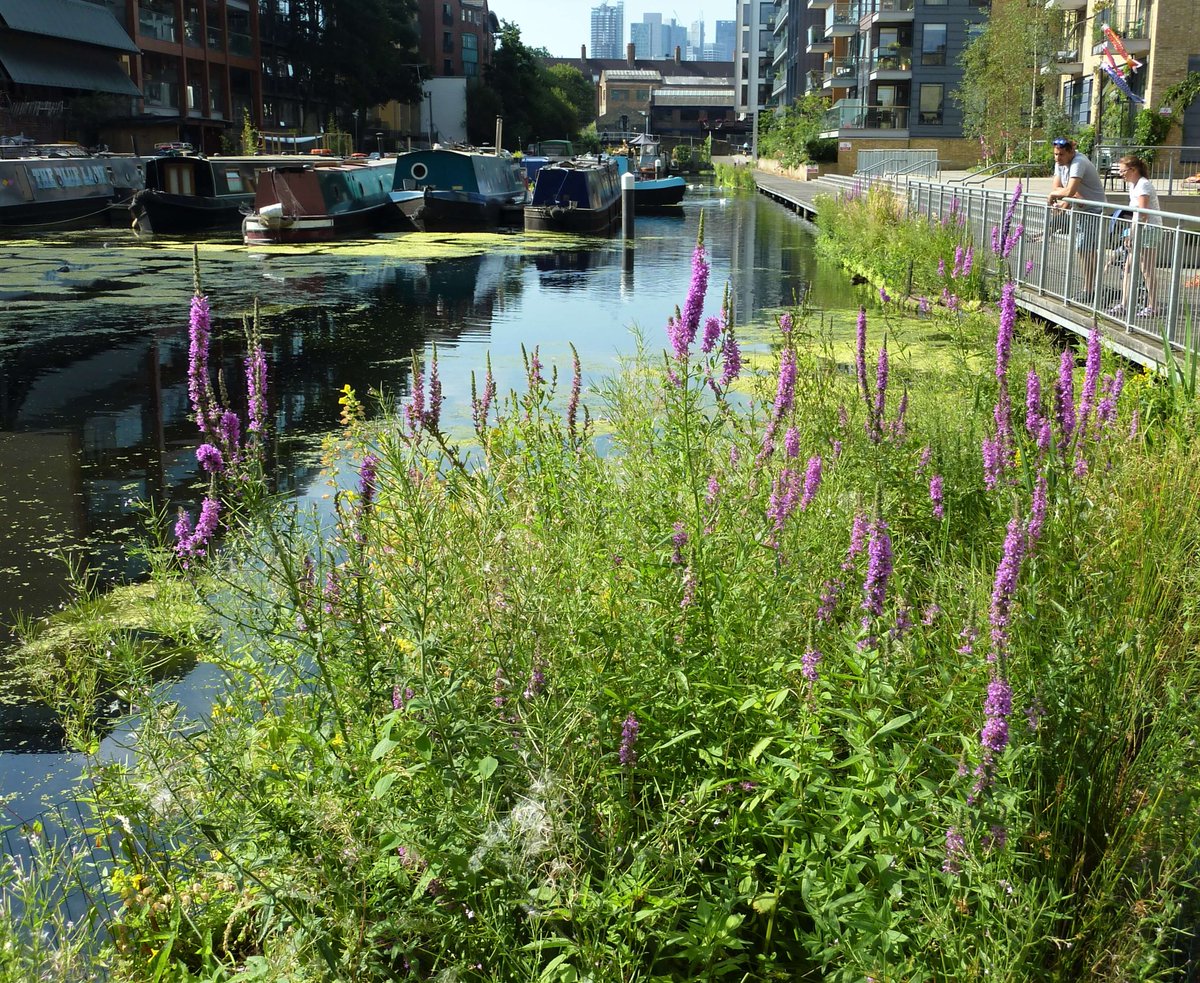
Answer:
(659, 195)
(270, 229)
(64, 191)
(571, 218)
(159, 211)
(582, 197)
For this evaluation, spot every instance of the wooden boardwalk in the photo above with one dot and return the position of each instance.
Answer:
(1140, 346)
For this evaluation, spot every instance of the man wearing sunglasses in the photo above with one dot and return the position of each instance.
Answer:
(1076, 181)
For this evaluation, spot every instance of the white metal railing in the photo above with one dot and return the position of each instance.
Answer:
(879, 162)
(1079, 257)
(1172, 168)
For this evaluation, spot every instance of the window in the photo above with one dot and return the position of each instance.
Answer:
(931, 105)
(447, 14)
(933, 44)
(447, 66)
(935, 3)
(447, 41)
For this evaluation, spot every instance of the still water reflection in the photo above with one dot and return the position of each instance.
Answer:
(93, 354)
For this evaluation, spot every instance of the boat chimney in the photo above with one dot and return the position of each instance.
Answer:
(678, 55)
(499, 133)
(630, 53)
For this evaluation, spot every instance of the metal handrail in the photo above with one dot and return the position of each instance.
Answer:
(970, 179)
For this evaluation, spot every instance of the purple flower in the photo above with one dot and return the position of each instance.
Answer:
(256, 389)
(199, 335)
(958, 260)
(480, 404)
(1008, 320)
(694, 303)
(791, 442)
(689, 589)
(808, 664)
(785, 391)
(923, 460)
(1028, 267)
(414, 412)
(210, 458)
(812, 481)
(629, 732)
(206, 528)
(1038, 507)
(942, 268)
(860, 353)
(1005, 586)
(968, 636)
(433, 416)
(785, 493)
(714, 490)
(1033, 403)
(401, 699)
(929, 615)
(332, 592)
(573, 400)
(785, 323)
(230, 431)
(956, 849)
(367, 479)
(1091, 378)
(884, 297)
(678, 541)
(837, 449)
(712, 331)
(879, 568)
(881, 382)
(936, 496)
(829, 599)
(1106, 412)
(858, 539)
(183, 533)
(923, 304)
(992, 464)
(731, 359)
(996, 708)
(1064, 399)
(537, 680)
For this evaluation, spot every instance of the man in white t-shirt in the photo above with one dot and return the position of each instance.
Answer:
(1077, 183)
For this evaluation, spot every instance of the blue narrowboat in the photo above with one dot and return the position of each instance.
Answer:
(458, 189)
(581, 196)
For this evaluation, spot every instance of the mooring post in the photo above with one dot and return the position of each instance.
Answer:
(627, 182)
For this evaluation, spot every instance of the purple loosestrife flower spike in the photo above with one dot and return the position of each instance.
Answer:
(808, 664)
(210, 458)
(1008, 320)
(1106, 412)
(878, 409)
(785, 493)
(956, 849)
(731, 359)
(860, 354)
(206, 526)
(573, 400)
(785, 323)
(199, 335)
(694, 303)
(992, 466)
(1091, 379)
(879, 568)
(230, 430)
(1033, 403)
(996, 244)
(1045, 436)
(712, 332)
(968, 261)
(689, 589)
(923, 304)
(942, 268)
(997, 708)
(791, 442)
(414, 412)
(812, 482)
(923, 460)
(968, 636)
(433, 416)
(256, 390)
(785, 392)
(1038, 508)
(936, 494)
(629, 733)
(678, 540)
(713, 492)
(183, 533)
(1028, 267)
(829, 599)
(898, 425)
(958, 259)
(858, 539)
(1005, 586)
(1064, 399)
(884, 296)
(367, 479)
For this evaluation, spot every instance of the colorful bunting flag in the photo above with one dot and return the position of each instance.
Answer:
(1120, 83)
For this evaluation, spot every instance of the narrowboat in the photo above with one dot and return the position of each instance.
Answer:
(582, 196)
(191, 193)
(538, 155)
(458, 189)
(62, 186)
(320, 201)
(651, 195)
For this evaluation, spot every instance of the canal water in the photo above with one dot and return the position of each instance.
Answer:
(93, 363)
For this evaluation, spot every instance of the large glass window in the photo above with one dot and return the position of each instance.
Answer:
(932, 98)
(933, 44)
(156, 19)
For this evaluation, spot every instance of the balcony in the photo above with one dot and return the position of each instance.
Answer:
(780, 52)
(840, 73)
(780, 18)
(1067, 5)
(820, 4)
(779, 86)
(850, 114)
(843, 21)
(891, 62)
(241, 45)
(817, 42)
(1069, 61)
(889, 11)
(161, 96)
(1130, 22)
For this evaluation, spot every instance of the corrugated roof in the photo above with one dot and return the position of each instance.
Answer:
(697, 80)
(693, 97)
(630, 74)
(71, 20)
(60, 65)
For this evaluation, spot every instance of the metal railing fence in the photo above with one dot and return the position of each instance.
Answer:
(882, 162)
(1138, 268)
(1170, 166)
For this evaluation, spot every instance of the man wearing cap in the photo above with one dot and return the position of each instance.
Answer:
(1077, 180)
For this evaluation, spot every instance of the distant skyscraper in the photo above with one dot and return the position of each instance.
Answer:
(695, 41)
(726, 40)
(647, 37)
(608, 30)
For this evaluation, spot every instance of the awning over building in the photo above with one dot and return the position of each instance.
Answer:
(62, 65)
(71, 20)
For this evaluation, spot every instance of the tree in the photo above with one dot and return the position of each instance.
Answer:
(357, 53)
(578, 92)
(791, 135)
(1003, 94)
(531, 98)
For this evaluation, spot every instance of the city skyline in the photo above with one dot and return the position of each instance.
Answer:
(571, 26)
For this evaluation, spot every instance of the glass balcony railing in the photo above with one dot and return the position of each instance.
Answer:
(890, 6)
(780, 51)
(891, 59)
(841, 71)
(216, 38)
(161, 95)
(851, 115)
(844, 14)
(157, 24)
(240, 45)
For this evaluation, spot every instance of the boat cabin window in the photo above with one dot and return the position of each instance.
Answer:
(234, 178)
(179, 179)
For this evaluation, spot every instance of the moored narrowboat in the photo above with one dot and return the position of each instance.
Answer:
(458, 189)
(63, 186)
(581, 196)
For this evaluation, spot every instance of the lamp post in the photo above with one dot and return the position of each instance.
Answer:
(354, 113)
(429, 97)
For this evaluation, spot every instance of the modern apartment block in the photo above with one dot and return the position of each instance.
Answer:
(889, 67)
(753, 76)
(1161, 34)
(608, 30)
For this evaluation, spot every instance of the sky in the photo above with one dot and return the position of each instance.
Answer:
(561, 26)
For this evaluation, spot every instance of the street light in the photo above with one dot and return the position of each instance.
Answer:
(354, 113)
(429, 96)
